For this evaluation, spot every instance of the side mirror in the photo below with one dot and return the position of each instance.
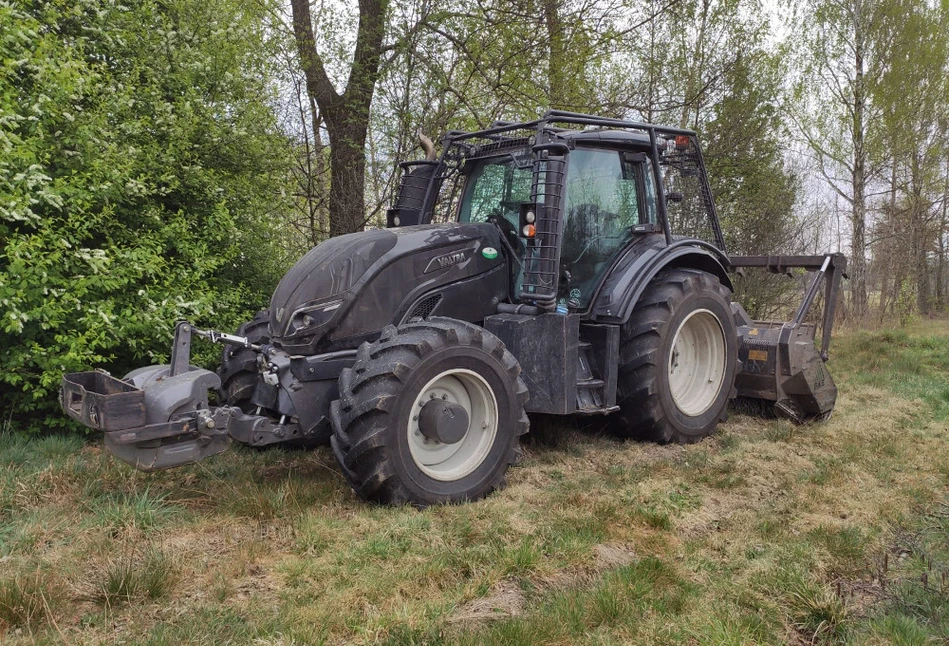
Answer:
(634, 158)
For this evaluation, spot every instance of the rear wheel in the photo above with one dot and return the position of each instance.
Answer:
(678, 359)
(430, 413)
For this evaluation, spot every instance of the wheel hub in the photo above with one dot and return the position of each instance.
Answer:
(453, 425)
(443, 421)
(697, 362)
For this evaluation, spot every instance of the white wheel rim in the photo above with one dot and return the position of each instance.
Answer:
(448, 462)
(697, 363)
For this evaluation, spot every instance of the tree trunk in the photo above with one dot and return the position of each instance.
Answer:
(556, 67)
(346, 114)
(941, 242)
(919, 212)
(347, 206)
(858, 262)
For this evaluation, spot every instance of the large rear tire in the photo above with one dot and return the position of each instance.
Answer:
(430, 413)
(678, 359)
(238, 369)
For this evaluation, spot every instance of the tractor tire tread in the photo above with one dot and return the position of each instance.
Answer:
(640, 350)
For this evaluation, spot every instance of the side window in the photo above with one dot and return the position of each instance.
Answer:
(649, 182)
(486, 187)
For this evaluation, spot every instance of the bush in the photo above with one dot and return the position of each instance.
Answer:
(139, 160)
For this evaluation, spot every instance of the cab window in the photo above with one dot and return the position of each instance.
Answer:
(497, 187)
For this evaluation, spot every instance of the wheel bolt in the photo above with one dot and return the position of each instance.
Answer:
(484, 425)
(445, 397)
(431, 395)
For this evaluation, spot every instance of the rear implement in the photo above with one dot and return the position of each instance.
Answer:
(781, 364)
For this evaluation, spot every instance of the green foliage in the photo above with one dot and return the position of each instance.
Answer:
(753, 189)
(137, 161)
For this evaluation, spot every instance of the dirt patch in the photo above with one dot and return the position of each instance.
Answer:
(257, 582)
(504, 599)
(612, 555)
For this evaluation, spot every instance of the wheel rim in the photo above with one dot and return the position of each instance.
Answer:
(697, 362)
(449, 462)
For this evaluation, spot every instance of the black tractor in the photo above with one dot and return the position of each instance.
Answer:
(572, 265)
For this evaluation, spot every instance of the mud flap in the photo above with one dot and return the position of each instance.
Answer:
(151, 420)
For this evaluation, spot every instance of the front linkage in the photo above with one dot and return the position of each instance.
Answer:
(158, 417)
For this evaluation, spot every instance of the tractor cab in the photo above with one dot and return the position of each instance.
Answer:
(569, 202)
(609, 197)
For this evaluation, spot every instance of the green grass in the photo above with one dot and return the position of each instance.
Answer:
(130, 578)
(27, 600)
(766, 533)
(913, 366)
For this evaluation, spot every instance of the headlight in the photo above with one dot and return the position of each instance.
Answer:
(311, 317)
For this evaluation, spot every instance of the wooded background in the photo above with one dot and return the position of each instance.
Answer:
(169, 159)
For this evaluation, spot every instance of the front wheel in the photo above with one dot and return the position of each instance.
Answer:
(430, 413)
(238, 370)
(678, 359)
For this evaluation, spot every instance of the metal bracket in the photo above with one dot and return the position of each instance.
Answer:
(181, 349)
(829, 268)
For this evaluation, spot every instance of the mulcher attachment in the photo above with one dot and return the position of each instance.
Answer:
(152, 419)
(781, 365)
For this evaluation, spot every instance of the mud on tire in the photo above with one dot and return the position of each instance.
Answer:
(376, 437)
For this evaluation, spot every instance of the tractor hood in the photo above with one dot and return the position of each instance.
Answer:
(345, 290)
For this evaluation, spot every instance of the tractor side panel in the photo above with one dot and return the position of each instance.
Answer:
(546, 346)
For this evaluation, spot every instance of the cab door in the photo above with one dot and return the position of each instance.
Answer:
(609, 197)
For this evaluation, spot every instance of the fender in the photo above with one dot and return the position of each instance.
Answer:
(638, 265)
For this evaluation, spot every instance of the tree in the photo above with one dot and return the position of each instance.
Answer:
(346, 114)
(754, 190)
(912, 95)
(844, 46)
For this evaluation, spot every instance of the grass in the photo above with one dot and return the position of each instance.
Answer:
(767, 533)
(26, 600)
(129, 579)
